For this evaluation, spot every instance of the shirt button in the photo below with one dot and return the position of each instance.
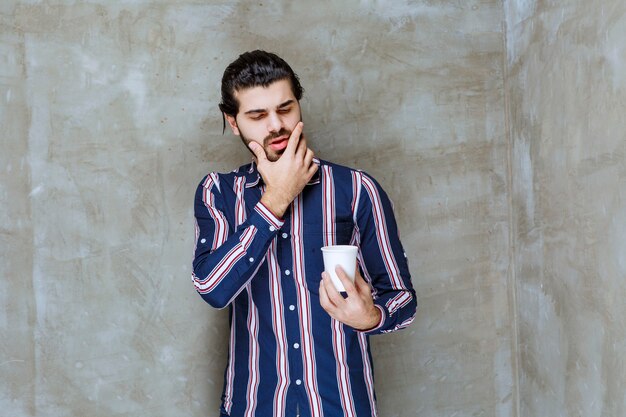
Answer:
(251, 259)
(203, 241)
(292, 307)
(272, 228)
(287, 272)
(298, 382)
(285, 235)
(296, 345)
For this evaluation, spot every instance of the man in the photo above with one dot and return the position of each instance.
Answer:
(297, 345)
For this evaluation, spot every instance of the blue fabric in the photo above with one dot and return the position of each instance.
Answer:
(285, 350)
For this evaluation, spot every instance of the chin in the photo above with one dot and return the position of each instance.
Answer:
(273, 156)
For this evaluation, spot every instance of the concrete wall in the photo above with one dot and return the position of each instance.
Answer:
(567, 87)
(109, 119)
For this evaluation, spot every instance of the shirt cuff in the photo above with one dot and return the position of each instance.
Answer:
(274, 222)
(383, 315)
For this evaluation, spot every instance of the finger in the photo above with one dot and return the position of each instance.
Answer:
(360, 282)
(312, 170)
(324, 301)
(347, 282)
(258, 151)
(301, 148)
(308, 157)
(294, 139)
(331, 291)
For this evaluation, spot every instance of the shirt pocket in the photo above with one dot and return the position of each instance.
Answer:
(314, 237)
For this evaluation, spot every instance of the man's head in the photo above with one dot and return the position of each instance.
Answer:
(260, 100)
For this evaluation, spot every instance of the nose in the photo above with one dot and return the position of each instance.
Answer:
(274, 123)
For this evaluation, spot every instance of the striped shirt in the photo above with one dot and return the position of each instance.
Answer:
(285, 351)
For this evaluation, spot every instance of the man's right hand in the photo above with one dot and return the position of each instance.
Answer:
(284, 179)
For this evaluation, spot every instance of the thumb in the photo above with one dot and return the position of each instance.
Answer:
(258, 151)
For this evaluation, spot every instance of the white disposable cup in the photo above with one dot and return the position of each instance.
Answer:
(343, 256)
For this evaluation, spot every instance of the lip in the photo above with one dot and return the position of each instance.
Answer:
(279, 143)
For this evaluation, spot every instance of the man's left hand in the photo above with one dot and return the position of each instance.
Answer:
(357, 310)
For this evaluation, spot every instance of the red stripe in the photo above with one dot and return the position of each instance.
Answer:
(278, 324)
(343, 379)
(230, 371)
(268, 215)
(367, 372)
(232, 256)
(328, 199)
(220, 233)
(197, 232)
(304, 309)
(221, 269)
(398, 302)
(253, 362)
(339, 343)
(354, 193)
(382, 235)
(402, 325)
(240, 212)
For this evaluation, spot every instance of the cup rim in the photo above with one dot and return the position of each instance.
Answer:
(338, 248)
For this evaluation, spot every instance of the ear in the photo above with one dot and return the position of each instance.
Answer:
(233, 124)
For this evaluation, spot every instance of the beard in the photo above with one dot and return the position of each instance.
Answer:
(272, 156)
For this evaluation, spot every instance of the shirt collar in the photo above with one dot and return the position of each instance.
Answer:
(254, 179)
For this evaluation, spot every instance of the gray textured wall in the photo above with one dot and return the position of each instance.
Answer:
(109, 121)
(508, 190)
(567, 83)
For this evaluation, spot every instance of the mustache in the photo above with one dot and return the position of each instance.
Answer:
(273, 136)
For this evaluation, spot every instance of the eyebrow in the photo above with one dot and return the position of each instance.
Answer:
(280, 106)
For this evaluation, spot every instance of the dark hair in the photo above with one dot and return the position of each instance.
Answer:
(255, 69)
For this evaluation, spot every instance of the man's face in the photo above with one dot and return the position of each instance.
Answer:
(267, 115)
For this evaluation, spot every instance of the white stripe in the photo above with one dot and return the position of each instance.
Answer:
(367, 372)
(383, 236)
(197, 231)
(235, 253)
(228, 262)
(253, 379)
(304, 305)
(220, 234)
(366, 274)
(339, 342)
(328, 209)
(343, 378)
(268, 215)
(253, 274)
(356, 185)
(240, 205)
(406, 322)
(212, 179)
(230, 370)
(402, 325)
(278, 324)
(221, 225)
(398, 302)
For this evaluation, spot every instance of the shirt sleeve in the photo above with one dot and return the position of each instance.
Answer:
(382, 258)
(225, 258)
